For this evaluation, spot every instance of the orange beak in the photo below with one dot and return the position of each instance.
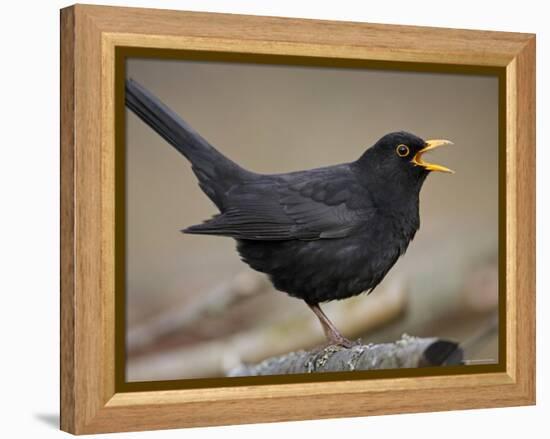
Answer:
(430, 145)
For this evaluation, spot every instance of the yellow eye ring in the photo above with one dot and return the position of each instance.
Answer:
(402, 150)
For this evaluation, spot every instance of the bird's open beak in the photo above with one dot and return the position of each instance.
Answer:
(431, 144)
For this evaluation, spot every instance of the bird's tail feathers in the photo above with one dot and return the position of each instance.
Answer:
(211, 167)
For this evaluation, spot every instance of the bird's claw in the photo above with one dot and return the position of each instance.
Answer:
(342, 341)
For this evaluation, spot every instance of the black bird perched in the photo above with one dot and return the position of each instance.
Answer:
(320, 234)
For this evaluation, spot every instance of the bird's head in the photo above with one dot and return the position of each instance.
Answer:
(405, 151)
(396, 161)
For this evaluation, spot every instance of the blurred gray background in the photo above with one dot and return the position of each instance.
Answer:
(275, 119)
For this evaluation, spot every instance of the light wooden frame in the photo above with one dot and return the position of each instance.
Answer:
(89, 36)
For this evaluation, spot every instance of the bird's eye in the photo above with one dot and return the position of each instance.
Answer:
(402, 150)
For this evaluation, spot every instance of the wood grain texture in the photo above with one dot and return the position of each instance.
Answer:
(524, 251)
(67, 360)
(311, 37)
(90, 35)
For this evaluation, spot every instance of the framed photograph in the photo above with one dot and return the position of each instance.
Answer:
(268, 219)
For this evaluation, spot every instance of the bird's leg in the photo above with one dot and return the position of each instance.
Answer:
(332, 334)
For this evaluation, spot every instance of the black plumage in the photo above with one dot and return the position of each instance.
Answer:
(320, 234)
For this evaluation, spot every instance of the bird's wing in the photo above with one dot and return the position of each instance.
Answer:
(306, 205)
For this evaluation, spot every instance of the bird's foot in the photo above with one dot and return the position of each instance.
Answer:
(331, 332)
(339, 340)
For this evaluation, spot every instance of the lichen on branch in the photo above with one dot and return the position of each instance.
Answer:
(408, 352)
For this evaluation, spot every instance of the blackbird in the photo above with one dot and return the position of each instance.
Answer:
(320, 234)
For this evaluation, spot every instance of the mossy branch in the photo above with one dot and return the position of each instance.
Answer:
(408, 352)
